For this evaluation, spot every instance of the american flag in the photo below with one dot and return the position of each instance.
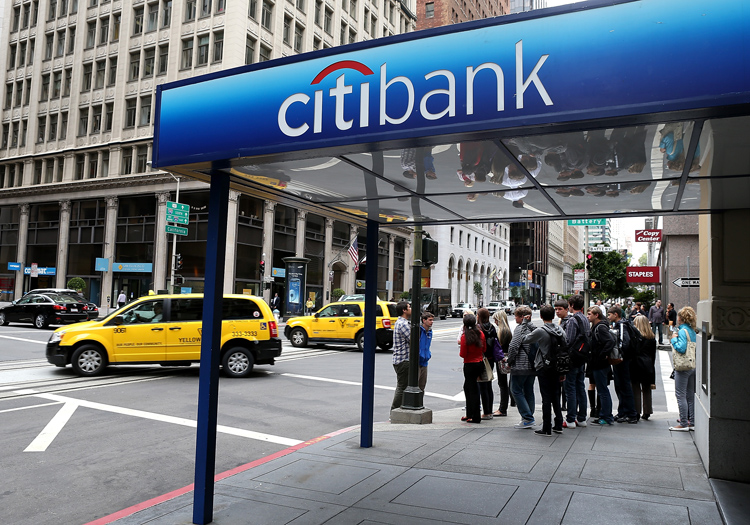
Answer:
(354, 253)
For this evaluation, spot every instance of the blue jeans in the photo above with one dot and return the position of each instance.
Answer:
(522, 388)
(655, 327)
(624, 390)
(684, 391)
(601, 380)
(575, 389)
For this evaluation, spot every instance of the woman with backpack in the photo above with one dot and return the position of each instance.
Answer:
(504, 334)
(602, 344)
(472, 351)
(684, 381)
(490, 336)
(642, 373)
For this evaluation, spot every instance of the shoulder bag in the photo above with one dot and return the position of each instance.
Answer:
(486, 374)
(684, 362)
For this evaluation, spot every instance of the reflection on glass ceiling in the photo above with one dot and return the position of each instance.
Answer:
(636, 170)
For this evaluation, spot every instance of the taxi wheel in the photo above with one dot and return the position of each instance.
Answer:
(298, 337)
(238, 362)
(385, 346)
(89, 360)
(361, 340)
(40, 321)
(3, 320)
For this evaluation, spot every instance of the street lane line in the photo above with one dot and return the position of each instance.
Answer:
(22, 339)
(164, 418)
(53, 428)
(355, 383)
(30, 406)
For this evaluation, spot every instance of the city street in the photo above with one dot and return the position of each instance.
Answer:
(76, 449)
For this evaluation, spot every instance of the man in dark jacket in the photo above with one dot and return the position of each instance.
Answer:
(624, 390)
(656, 317)
(549, 379)
(602, 344)
(577, 330)
(522, 373)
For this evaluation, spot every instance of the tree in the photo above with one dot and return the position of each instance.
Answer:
(609, 268)
(76, 283)
(405, 296)
(643, 260)
(645, 297)
(478, 290)
(336, 293)
(578, 266)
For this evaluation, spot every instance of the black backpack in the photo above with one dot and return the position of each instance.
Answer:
(557, 358)
(580, 350)
(636, 340)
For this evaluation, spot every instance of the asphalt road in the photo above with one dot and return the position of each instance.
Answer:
(76, 449)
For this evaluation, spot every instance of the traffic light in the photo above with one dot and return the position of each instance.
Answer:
(589, 257)
(262, 266)
(178, 280)
(594, 285)
(178, 262)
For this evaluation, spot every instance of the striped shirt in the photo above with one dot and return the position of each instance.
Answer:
(401, 339)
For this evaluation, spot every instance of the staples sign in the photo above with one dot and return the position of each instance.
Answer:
(647, 235)
(642, 274)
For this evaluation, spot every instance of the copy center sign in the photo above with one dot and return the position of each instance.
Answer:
(642, 274)
(647, 235)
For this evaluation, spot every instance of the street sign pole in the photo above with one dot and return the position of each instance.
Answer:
(174, 243)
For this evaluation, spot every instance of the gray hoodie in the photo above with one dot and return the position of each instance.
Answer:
(543, 338)
(518, 352)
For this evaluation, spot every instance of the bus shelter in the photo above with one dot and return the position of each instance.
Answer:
(593, 110)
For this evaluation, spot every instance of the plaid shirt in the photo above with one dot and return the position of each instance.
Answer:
(401, 339)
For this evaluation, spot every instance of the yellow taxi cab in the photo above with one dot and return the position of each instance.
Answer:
(166, 330)
(342, 322)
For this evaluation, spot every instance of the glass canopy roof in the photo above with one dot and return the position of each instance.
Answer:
(692, 166)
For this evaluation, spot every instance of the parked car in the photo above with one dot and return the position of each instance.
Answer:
(93, 309)
(342, 322)
(166, 330)
(458, 310)
(44, 309)
(494, 306)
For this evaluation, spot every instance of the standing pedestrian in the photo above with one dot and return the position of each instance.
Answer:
(472, 351)
(522, 373)
(623, 388)
(561, 311)
(504, 335)
(656, 318)
(578, 333)
(671, 317)
(549, 379)
(642, 372)
(602, 344)
(121, 299)
(490, 336)
(425, 340)
(401, 337)
(276, 302)
(684, 381)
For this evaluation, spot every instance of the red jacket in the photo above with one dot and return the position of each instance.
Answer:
(471, 353)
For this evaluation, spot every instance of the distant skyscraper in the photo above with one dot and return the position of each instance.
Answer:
(519, 6)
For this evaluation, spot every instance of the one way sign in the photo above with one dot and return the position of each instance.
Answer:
(684, 282)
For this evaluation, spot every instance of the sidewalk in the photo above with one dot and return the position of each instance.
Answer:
(453, 472)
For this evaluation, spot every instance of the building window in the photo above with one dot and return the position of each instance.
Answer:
(127, 161)
(153, 17)
(221, 6)
(266, 19)
(252, 9)
(328, 22)
(103, 31)
(299, 35)
(249, 50)
(49, 42)
(105, 164)
(134, 70)
(287, 35)
(109, 116)
(187, 54)
(112, 71)
(8, 96)
(145, 118)
(203, 42)
(50, 14)
(93, 165)
(205, 8)
(96, 119)
(318, 13)
(63, 126)
(189, 10)
(429, 10)
(101, 71)
(56, 84)
(163, 59)
(166, 13)
(83, 121)
(116, 27)
(141, 159)
(80, 166)
(452, 231)
(218, 46)
(138, 21)
(264, 54)
(86, 79)
(130, 107)
(26, 16)
(353, 9)
(60, 47)
(90, 34)
(21, 54)
(41, 129)
(149, 56)
(45, 89)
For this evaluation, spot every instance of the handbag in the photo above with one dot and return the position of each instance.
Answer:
(486, 374)
(686, 361)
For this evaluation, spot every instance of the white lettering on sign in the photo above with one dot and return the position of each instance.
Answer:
(641, 274)
(648, 236)
(342, 90)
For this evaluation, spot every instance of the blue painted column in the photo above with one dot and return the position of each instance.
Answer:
(208, 385)
(368, 355)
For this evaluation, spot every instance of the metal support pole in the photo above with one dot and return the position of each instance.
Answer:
(174, 242)
(412, 392)
(368, 354)
(208, 380)
(586, 276)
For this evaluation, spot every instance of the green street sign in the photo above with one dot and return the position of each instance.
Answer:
(178, 213)
(178, 230)
(587, 222)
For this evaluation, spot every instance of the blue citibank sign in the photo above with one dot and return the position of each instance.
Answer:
(598, 60)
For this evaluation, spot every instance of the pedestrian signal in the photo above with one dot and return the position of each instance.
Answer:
(594, 285)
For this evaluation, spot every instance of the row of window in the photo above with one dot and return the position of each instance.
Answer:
(489, 246)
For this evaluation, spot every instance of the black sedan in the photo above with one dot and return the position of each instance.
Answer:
(93, 310)
(42, 310)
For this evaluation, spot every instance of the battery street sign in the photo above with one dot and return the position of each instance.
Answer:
(178, 213)
(684, 282)
(587, 222)
(177, 230)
